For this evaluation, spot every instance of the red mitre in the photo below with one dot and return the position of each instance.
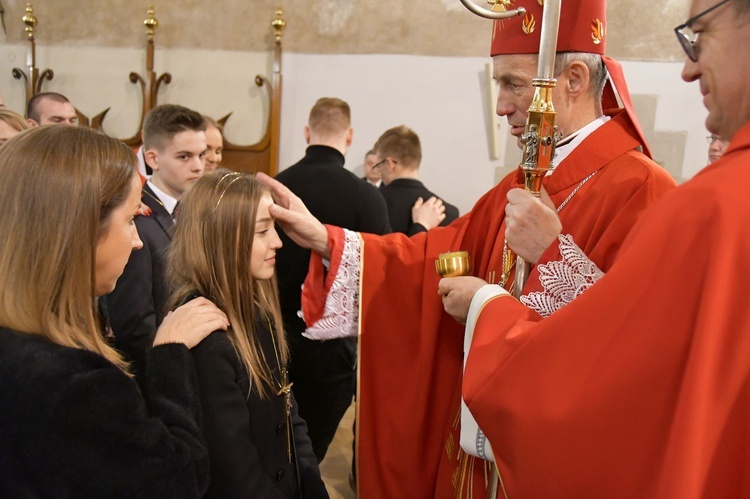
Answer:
(583, 28)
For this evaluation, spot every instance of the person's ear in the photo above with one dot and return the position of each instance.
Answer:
(32, 123)
(152, 158)
(307, 135)
(577, 79)
(349, 137)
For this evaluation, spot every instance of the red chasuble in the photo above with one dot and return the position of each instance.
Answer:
(411, 351)
(641, 387)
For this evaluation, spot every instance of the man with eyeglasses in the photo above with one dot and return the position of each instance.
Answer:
(641, 386)
(716, 147)
(411, 352)
(403, 192)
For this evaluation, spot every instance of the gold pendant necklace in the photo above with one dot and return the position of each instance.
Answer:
(285, 390)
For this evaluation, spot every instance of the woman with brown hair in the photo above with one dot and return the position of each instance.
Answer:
(224, 249)
(73, 423)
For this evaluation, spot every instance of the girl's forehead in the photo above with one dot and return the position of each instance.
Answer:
(264, 204)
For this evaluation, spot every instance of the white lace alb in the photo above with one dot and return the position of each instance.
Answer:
(341, 313)
(563, 280)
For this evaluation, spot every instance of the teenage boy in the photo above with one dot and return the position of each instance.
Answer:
(174, 143)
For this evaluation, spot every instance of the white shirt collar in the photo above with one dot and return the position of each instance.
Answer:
(563, 151)
(168, 201)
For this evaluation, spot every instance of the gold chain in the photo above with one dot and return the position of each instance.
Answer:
(285, 389)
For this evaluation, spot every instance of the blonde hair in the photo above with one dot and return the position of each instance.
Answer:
(209, 255)
(14, 120)
(330, 117)
(210, 122)
(402, 144)
(64, 183)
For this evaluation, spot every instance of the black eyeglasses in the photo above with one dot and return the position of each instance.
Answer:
(379, 163)
(687, 38)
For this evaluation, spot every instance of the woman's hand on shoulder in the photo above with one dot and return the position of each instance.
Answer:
(191, 323)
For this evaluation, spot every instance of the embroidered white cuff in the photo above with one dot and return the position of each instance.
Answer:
(563, 280)
(341, 313)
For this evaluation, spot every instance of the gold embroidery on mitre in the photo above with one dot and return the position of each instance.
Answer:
(597, 31)
(498, 6)
(541, 2)
(529, 24)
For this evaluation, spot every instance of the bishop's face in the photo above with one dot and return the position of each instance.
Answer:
(514, 74)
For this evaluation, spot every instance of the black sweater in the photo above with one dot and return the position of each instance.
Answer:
(73, 425)
(247, 435)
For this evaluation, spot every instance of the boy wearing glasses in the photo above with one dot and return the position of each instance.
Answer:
(401, 154)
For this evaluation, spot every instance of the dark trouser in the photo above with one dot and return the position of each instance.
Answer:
(324, 377)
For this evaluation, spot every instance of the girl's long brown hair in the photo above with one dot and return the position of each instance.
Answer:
(210, 255)
(60, 186)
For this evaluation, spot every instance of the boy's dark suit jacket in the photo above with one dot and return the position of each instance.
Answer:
(400, 195)
(137, 304)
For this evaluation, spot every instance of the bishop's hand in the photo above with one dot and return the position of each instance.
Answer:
(295, 219)
(531, 224)
(457, 293)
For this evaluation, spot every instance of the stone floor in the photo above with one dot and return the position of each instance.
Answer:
(338, 461)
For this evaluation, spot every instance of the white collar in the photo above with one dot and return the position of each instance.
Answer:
(563, 151)
(166, 200)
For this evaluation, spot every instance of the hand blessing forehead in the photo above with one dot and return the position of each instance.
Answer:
(279, 192)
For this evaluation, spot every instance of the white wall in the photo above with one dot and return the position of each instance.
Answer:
(443, 99)
(679, 108)
(439, 98)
